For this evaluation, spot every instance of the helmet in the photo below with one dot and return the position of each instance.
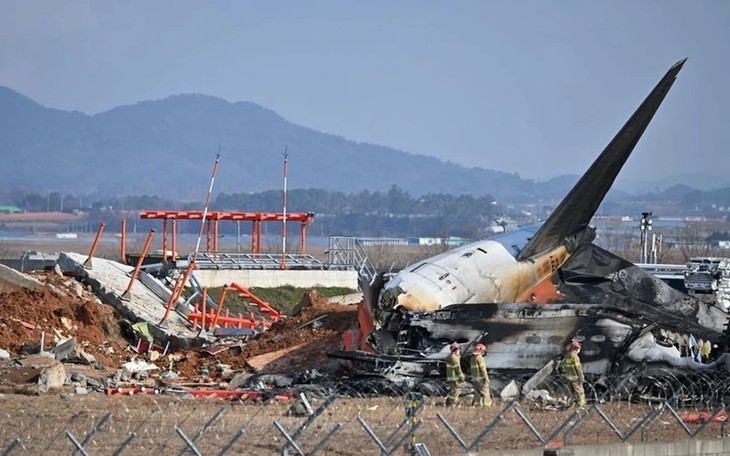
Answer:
(575, 345)
(480, 348)
(455, 347)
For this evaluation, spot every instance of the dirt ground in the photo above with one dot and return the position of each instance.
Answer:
(40, 424)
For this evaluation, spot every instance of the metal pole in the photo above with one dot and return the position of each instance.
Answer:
(238, 235)
(283, 226)
(174, 239)
(123, 243)
(207, 201)
(127, 293)
(178, 290)
(87, 263)
(164, 240)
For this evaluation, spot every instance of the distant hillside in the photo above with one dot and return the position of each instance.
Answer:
(167, 147)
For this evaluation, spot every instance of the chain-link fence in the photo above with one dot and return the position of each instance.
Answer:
(415, 424)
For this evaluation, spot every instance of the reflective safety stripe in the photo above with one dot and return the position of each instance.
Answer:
(452, 371)
(477, 366)
(572, 368)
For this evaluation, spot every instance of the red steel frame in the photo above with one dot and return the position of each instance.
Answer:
(208, 319)
(213, 219)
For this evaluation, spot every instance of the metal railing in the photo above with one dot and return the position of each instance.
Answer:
(346, 252)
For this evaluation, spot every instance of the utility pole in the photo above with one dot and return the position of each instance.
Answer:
(645, 227)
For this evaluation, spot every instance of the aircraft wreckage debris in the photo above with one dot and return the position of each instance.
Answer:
(525, 294)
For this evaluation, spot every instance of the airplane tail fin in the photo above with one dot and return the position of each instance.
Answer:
(576, 210)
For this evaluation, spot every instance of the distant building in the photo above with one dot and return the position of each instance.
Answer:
(10, 210)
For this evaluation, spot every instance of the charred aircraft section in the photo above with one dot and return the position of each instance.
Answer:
(529, 292)
(622, 315)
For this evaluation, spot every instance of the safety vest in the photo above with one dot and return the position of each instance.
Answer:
(453, 369)
(478, 368)
(572, 367)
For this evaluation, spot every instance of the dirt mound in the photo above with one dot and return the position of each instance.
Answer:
(297, 329)
(61, 308)
(64, 308)
(287, 333)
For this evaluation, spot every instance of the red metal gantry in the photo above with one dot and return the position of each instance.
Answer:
(214, 217)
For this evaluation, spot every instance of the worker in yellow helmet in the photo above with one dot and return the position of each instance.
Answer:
(574, 372)
(454, 375)
(479, 377)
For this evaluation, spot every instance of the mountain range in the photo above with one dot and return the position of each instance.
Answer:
(167, 148)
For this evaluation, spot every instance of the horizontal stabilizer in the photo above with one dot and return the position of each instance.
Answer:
(575, 211)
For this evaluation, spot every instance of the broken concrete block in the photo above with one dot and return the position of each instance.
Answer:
(540, 395)
(239, 380)
(81, 390)
(65, 349)
(510, 391)
(57, 269)
(539, 376)
(94, 384)
(4, 355)
(78, 290)
(87, 358)
(10, 280)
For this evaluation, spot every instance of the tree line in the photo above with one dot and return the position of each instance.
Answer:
(365, 213)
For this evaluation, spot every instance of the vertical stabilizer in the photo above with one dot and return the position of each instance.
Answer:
(576, 210)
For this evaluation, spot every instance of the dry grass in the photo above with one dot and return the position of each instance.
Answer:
(41, 422)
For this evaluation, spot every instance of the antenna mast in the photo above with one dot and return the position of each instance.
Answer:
(207, 201)
(283, 227)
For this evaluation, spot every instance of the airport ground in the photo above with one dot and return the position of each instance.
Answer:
(40, 422)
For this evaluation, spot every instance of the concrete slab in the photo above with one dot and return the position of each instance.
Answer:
(110, 279)
(277, 278)
(11, 280)
(348, 299)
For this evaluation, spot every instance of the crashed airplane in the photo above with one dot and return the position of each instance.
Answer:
(528, 293)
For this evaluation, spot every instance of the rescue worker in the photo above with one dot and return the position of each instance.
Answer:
(574, 372)
(454, 375)
(479, 377)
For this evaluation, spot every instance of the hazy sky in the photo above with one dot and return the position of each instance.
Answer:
(535, 87)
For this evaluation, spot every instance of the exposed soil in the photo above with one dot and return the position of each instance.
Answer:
(281, 335)
(27, 316)
(63, 308)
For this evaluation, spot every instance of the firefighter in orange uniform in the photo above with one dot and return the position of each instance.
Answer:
(574, 372)
(454, 375)
(479, 377)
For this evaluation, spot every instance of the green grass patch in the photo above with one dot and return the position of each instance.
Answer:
(282, 299)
